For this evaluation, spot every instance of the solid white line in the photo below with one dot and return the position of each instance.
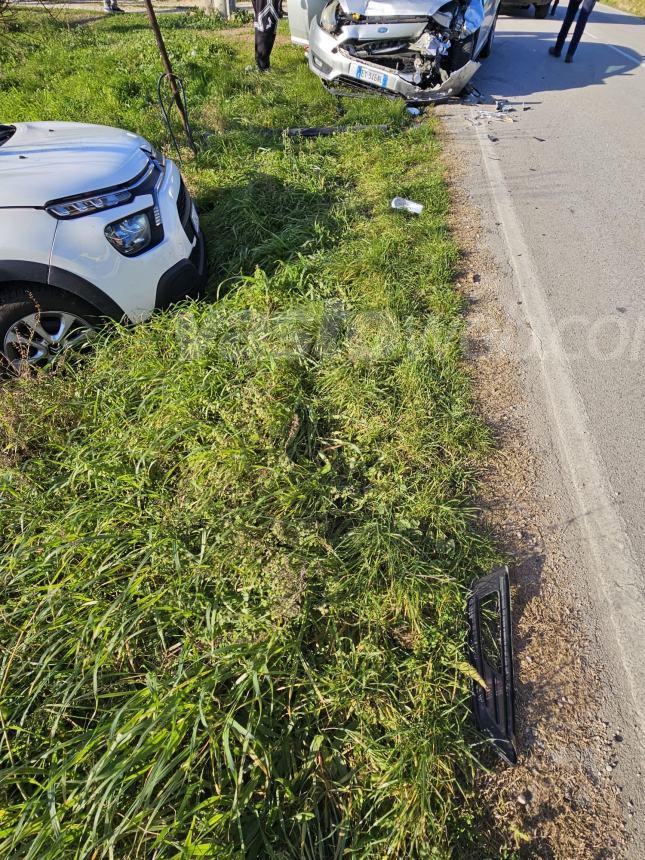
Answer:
(619, 50)
(617, 577)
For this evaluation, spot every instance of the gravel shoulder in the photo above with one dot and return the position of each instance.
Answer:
(577, 789)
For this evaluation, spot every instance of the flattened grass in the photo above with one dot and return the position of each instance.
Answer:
(237, 539)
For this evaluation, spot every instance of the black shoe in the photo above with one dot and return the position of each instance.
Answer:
(117, 10)
(555, 52)
(568, 58)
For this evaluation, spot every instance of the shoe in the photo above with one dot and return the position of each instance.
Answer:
(568, 58)
(118, 10)
(554, 52)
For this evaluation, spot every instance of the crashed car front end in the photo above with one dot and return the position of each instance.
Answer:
(423, 52)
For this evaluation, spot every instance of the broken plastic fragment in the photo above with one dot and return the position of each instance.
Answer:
(407, 205)
(413, 111)
(491, 645)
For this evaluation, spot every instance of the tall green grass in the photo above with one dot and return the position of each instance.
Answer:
(236, 540)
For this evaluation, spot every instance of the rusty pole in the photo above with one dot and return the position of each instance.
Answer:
(170, 75)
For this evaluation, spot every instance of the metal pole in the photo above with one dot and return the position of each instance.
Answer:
(170, 75)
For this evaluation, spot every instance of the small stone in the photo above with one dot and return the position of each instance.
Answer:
(618, 738)
(609, 768)
(521, 799)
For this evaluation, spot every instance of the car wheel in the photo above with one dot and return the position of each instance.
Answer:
(488, 47)
(39, 324)
(542, 11)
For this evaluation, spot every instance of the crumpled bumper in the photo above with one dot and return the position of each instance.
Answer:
(335, 66)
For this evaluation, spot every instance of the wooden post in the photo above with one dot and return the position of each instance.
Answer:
(170, 75)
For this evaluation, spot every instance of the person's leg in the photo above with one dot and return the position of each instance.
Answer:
(266, 23)
(581, 23)
(264, 40)
(570, 14)
(554, 6)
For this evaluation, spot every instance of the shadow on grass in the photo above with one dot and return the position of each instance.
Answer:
(263, 223)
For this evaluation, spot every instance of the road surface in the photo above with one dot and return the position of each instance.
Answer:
(562, 189)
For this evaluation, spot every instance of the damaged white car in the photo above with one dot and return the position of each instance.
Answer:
(421, 50)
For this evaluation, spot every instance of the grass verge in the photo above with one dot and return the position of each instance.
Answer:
(635, 7)
(237, 539)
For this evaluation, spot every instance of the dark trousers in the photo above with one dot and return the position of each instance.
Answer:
(266, 13)
(263, 46)
(581, 23)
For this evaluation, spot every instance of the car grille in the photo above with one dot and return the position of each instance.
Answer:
(184, 205)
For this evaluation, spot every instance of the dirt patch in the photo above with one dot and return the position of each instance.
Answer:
(560, 801)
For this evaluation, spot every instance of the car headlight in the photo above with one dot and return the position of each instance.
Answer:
(329, 16)
(130, 235)
(87, 205)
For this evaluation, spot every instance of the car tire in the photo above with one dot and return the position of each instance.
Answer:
(488, 47)
(39, 323)
(542, 11)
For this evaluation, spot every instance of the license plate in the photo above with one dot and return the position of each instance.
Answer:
(363, 73)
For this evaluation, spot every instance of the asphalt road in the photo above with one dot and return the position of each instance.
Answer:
(562, 189)
(575, 169)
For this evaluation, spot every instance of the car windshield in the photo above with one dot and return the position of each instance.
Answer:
(6, 132)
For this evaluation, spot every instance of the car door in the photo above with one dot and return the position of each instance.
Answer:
(301, 14)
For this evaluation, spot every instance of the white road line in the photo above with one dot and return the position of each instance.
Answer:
(616, 576)
(630, 57)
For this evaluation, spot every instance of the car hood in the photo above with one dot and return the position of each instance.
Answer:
(392, 8)
(45, 161)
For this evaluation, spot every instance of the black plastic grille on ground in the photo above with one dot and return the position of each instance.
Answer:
(489, 614)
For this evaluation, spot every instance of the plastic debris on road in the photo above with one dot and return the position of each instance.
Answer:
(497, 116)
(491, 647)
(406, 205)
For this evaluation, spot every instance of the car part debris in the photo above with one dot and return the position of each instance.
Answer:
(414, 111)
(472, 98)
(489, 615)
(328, 130)
(406, 205)
(497, 116)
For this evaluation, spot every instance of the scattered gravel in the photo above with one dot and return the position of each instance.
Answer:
(573, 808)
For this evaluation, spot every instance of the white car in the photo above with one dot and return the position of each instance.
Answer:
(420, 50)
(94, 224)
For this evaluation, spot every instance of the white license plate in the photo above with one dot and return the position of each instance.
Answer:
(363, 73)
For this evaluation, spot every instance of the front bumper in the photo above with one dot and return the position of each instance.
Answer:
(335, 66)
(185, 280)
